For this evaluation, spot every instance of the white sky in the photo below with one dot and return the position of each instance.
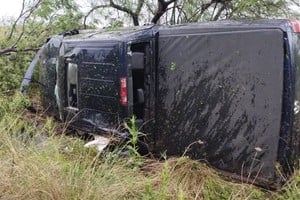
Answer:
(12, 8)
(9, 8)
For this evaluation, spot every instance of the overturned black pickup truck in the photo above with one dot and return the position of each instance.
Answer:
(225, 92)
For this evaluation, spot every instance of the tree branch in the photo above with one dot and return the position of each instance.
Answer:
(162, 8)
(13, 28)
(139, 6)
(150, 7)
(134, 15)
(26, 14)
(126, 10)
(9, 50)
(91, 11)
(296, 3)
(217, 16)
(23, 12)
(173, 16)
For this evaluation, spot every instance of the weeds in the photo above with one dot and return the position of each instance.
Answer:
(134, 137)
(37, 163)
(136, 160)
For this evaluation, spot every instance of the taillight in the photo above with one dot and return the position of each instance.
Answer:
(295, 25)
(123, 91)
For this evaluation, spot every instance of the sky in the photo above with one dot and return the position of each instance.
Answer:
(10, 8)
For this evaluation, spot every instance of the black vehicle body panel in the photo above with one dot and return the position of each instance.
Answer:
(97, 82)
(47, 74)
(227, 96)
(224, 92)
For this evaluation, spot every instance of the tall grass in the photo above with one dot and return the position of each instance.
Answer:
(38, 163)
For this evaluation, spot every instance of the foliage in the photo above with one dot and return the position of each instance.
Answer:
(11, 71)
(19, 41)
(12, 104)
(134, 136)
(40, 19)
(185, 11)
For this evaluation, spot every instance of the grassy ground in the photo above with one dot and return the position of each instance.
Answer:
(34, 166)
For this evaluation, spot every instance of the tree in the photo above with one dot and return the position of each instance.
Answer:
(37, 20)
(184, 11)
(131, 8)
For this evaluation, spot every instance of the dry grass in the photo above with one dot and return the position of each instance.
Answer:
(59, 167)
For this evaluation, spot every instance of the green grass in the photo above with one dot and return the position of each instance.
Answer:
(59, 167)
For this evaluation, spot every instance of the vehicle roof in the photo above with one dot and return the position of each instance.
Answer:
(226, 25)
(109, 34)
(140, 32)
